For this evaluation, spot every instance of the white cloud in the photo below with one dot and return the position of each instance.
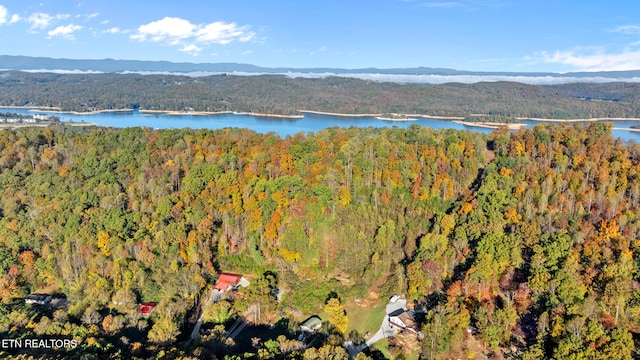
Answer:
(419, 79)
(598, 58)
(168, 28)
(93, 15)
(181, 32)
(4, 13)
(627, 29)
(247, 52)
(191, 49)
(39, 20)
(471, 79)
(115, 30)
(595, 61)
(248, 37)
(223, 33)
(64, 31)
(443, 4)
(5, 18)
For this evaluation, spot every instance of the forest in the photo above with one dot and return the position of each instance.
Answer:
(280, 95)
(519, 245)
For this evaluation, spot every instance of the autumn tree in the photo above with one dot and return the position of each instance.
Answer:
(337, 315)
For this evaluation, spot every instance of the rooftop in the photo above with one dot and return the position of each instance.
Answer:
(226, 280)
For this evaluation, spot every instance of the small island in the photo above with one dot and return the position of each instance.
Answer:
(490, 121)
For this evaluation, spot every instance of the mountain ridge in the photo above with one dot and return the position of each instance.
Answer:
(29, 63)
(285, 95)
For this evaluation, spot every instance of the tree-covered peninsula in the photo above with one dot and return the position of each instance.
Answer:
(280, 95)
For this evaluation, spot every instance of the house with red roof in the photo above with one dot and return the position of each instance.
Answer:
(146, 308)
(227, 281)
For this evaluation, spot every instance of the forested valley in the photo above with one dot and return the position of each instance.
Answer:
(523, 244)
(280, 95)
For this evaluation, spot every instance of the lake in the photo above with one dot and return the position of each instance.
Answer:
(282, 126)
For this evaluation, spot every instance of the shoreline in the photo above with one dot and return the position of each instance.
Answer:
(337, 114)
(79, 124)
(490, 125)
(577, 120)
(95, 112)
(438, 117)
(379, 116)
(36, 108)
(268, 115)
(394, 119)
(180, 113)
(213, 113)
(57, 110)
(63, 123)
(412, 117)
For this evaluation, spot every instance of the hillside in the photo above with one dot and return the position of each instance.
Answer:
(273, 94)
(528, 238)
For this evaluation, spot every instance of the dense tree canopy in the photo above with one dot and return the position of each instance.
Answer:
(529, 237)
(275, 94)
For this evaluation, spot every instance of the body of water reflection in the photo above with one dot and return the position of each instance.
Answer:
(281, 126)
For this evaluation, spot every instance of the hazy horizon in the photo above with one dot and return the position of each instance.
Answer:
(426, 75)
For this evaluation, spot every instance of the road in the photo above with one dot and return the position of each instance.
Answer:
(386, 330)
(240, 324)
(214, 297)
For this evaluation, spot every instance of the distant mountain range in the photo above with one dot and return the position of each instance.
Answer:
(419, 74)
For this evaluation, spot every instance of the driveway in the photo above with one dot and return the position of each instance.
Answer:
(386, 330)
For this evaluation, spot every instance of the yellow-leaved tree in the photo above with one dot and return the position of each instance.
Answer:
(337, 316)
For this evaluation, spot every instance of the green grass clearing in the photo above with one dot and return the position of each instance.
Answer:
(364, 319)
(383, 347)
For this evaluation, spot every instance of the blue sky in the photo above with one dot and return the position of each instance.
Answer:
(480, 35)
